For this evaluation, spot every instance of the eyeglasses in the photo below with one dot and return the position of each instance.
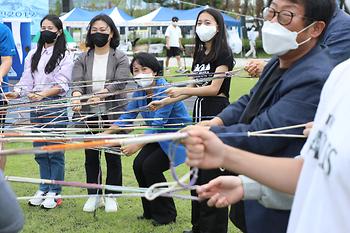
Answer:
(284, 17)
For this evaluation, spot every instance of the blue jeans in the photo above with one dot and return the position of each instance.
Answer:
(51, 164)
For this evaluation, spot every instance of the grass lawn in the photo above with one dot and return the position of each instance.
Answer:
(70, 218)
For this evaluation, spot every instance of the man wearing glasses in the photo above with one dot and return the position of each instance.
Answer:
(336, 37)
(173, 45)
(287, 94)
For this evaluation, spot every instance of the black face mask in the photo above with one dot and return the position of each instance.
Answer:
(48, 36)
(99, 39)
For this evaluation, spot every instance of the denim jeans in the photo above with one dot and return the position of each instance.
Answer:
(51, 165)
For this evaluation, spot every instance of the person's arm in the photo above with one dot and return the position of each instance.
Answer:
(62, 76)
(6, 63)
(78, 74)
(26, 83)
(281, 174)
(7, 50)
(121, 74)
(11, 219)
(53, 91)
(118, 125)
(180, 38)
(210, 90)
(158, 104)
(167, 42)
(226, 190)
(76, 107)
(167, 39)
(308, 128)
(177, 94)
(205, 150)
(266, 196)
(163, 114)
(131, 149)
(255, 67)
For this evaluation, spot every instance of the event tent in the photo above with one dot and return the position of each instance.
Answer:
(80, 18)
(162, 17)
(119, 16)
(193, 13)
(159, 17)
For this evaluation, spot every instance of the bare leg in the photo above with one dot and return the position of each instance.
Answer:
(167, 63)
(254, 52)
(178, 59)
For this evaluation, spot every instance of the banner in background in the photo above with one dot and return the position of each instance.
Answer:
(34, 10)
(20, 28)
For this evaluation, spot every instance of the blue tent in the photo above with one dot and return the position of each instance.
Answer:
(80, 18)
(193, 13)
(78, 15)
(165, 14)
(162, 17)
(115, 10)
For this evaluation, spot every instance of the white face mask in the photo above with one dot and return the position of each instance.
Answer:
(206, 33)
(278, 40)
(144, 80)
(174, 24)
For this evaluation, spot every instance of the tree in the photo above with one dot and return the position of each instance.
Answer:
(259, 6)
(58, 7)
(113, 3)
(244, 7)
(237, 6)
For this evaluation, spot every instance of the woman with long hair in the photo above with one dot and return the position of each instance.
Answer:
(100, 71)
(211, 55)
(46, 76)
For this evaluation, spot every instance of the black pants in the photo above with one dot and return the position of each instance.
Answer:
(237, 216)
(149, 166)
(93, 166)
(207, 219)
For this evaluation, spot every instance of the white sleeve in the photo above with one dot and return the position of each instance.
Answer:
(266, 196)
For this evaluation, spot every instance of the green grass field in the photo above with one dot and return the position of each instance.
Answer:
(69, 217)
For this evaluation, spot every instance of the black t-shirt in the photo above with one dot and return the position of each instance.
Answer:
(201, 67)
(258, 98)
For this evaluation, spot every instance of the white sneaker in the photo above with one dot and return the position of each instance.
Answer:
(92, 204)
(37, 199)
(52, 200)
(111, 205)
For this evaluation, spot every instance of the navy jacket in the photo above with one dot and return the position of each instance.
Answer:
(293, 100)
